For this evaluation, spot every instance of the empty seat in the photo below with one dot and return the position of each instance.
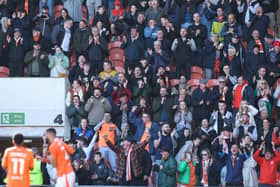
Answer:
(196, 72)
(212, 83)
(193, 83)
(174, 82)
(119, 69)
(4, 71)
(116, 44)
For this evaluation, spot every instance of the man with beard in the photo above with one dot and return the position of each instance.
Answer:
(97, 106)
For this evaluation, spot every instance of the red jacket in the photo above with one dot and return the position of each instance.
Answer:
(268, 168)
(275, 139)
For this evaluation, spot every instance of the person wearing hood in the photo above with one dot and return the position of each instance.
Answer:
(268, 164)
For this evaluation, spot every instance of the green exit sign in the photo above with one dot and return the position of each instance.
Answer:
(12, 118)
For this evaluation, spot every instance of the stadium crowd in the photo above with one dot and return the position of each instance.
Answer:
(162, 92)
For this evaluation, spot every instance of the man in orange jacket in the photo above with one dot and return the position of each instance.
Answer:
(268, 165)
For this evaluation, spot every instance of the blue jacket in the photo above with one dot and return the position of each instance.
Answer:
(234, 174)
(140, 126)
(87, 134)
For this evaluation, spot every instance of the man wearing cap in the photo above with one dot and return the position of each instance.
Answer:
(167, 169)
(16, 54)
(268, 164)
(129, 170)
(201, 102)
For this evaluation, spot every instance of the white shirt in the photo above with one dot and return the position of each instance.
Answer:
(65, 45)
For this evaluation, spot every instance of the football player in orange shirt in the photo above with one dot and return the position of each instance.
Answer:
(18, 160)
(60, 159)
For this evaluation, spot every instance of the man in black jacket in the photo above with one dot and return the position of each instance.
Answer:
(97, 47)
(16, 54)
(99, 171)
(198, 32)
(133, 47)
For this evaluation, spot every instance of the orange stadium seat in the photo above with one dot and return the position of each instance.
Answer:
(116, 44)
(118, 63)
(4, 71)
(212, 83)
(196, 72)
(119, 69)
(193, 83)
(174, 82)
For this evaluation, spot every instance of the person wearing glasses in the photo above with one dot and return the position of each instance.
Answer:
(207, 170)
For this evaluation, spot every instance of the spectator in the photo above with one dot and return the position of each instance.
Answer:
(207, 134)
(154, 12)
(45, 22)
(81, 37)
(234, 164)
(245, 128)
(182, 138)
(97, 106)
(144, 126)
(245, 108)
(99, 171)
(183, 117)
(255, 40)
(102, 16)
(4, 31)
(163, 107)
(253, 62)
(268, 165)
(167, 169)
(198, 32)
(106, 127)
(37, 37)
(275, 137)
(221, 118)
(232, 27)
(76, 112)
(249, 173)
(16, 54)
(76, 72)
(242, 91)
(260, 22)
(233, 61)
(120, 88)
(206, 170)
(129, 170)
(62, 36)
(58, 64)
(276, 96)
(85, 147)
(190, 146)
(76, 89)
(37, 62)
(145, 159)
(150, 33)
(84, 130)
(201, 100)
(212, 54)
(183, 48)
(46, 3)
(64, 16)
(92, 6)
(186, 169)
(218, 23)
(133, 47)
(97, 47)
(74, 8)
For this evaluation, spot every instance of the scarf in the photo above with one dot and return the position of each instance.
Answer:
(204, 180)
(128, 165)
(26, 4)
(36, 38)
(144, 136)
(220, 19)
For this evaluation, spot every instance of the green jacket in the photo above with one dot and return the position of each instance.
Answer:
(217, 28)
(167, 175)
(184, 172)
(75, 115)
(36, 175)
(80, 39)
